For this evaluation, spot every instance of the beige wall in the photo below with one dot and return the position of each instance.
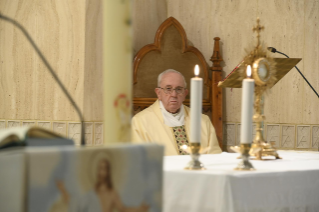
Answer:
(68, 34)
(290, 26)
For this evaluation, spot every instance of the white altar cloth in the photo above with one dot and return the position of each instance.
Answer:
(289, 184)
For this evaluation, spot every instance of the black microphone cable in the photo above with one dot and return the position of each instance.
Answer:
(51, 71)
(273, 50)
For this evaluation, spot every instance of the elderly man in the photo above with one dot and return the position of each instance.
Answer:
(167, 121)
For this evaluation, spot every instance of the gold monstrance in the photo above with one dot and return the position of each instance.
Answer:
(266, 71)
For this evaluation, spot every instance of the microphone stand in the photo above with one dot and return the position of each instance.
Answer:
(51, 71)
(274, 51)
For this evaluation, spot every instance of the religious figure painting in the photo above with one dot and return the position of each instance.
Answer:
(106, 179)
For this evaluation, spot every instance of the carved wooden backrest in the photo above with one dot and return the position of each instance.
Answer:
(171, 50)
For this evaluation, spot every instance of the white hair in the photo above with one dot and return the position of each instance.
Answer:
(160, 76)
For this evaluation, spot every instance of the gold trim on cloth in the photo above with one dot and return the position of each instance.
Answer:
(181, 139)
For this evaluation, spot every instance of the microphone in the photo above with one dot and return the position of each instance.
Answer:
(46, 63)
(273, 50)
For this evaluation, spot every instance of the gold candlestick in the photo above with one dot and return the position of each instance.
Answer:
(266, 148)
(194, 164)
(245, 164)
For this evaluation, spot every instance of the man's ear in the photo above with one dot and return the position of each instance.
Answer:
(158, 92)
(186, 92)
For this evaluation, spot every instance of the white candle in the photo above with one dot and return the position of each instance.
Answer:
(247, 104)
(196, 106)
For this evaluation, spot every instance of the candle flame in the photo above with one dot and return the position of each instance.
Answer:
(196, 70)
(248, 71)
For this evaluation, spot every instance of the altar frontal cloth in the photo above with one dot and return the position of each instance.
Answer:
(72, 179)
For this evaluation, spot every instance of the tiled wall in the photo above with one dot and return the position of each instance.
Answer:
(284, 136)
(72, 130)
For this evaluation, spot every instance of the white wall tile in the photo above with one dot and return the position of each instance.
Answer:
(229, 137)
(59, 127)
(13, 123)
(288, 136)
(315, 137)
(45, 124)
(273, 134)
(88, 133)
(98, 133)
(74, 132)
(2, 124)
(303, 136)
(28, 123)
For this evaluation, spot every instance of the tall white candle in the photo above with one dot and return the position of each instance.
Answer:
(196, 106)
(247, 103)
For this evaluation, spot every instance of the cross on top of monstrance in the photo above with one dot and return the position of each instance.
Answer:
(258, 29)
(266, 71)
(279, 66)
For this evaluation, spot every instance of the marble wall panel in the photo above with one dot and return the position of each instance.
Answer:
(45, 124)
(88, 133)
(229, 134)
(284, 30)
(315, 137)
(2, 125)
(303, 136)
(18, 62)
(93, 74)
(273, 134)
(29, 91)
(28, 123)
(13, 123)
(287, 136)
(98, 133)
(74, 132)
(238, 133)
(59, 127)
(311, 62)
(147, 17)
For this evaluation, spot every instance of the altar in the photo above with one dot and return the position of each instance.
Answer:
(289, 184)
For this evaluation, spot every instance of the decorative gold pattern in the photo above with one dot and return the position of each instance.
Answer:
(181, 139)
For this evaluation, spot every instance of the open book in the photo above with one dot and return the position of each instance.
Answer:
(31, 136)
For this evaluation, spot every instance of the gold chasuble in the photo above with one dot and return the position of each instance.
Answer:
(148, 127)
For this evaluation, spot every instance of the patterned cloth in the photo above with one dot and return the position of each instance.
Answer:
(181, 139)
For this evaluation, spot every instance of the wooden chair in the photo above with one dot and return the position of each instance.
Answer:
(172, 50)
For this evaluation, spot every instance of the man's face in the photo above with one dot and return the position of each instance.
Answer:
(173, 101)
